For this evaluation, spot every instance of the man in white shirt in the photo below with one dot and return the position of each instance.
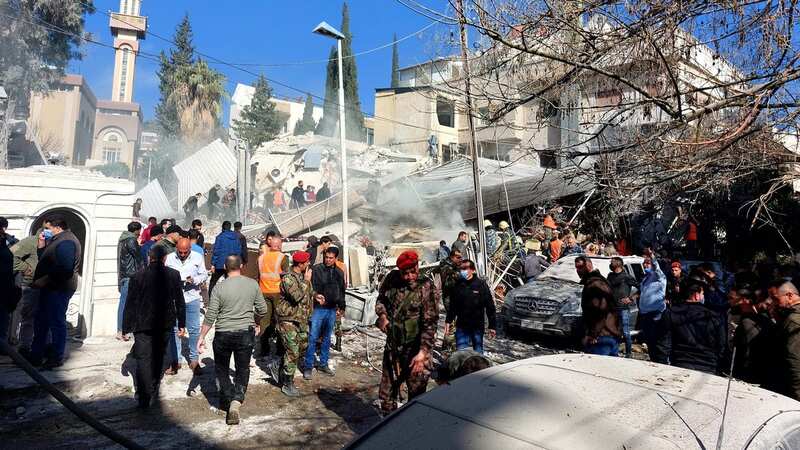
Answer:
(193, 272)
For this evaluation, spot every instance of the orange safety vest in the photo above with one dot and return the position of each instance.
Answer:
(277, 198)
(549, 222)
(269, 272)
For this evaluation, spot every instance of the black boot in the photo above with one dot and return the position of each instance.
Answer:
(288, 388)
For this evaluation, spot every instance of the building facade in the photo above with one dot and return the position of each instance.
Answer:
(291, 109)
(70, 124)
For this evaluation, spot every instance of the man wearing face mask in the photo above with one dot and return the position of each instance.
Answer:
(408, 312)
(695, 336)
(470, 297)
(56, 276)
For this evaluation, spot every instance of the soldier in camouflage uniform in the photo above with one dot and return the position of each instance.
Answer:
(408, 313)
(449, 273)
(293, 311)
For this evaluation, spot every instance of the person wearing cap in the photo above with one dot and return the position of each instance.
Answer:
(492, 240)
(170, 240)
(507, 240)
(674, 280)
(408, 313)
(293, 311)
(534, 261)
(232, 308)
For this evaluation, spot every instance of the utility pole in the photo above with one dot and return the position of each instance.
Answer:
(462, 27)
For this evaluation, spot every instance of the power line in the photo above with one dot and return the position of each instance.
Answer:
(365, 52)
(429, 13)
(271, 80)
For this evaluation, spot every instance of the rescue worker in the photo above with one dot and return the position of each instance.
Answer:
(507, 240)
(492, 240)
(293, 311)
(271, 265)
(408, 313)
(449, 273)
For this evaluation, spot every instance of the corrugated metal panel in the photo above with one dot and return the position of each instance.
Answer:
(154, 201)
(312, 159)
(450, 185)
(213, 164)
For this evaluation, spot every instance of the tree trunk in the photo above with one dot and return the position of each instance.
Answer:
(5, 131)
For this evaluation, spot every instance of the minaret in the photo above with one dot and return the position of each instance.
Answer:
(127, 27)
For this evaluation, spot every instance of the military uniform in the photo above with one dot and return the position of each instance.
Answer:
(413, 314)
(449, 274)
(293, 311)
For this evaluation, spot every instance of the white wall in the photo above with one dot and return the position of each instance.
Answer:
(103, 203)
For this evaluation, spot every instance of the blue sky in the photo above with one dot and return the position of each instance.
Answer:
(265, 32)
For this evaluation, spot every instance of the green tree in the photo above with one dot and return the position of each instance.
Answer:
(114, 170)
(330, 108)
(260, 122)
(395, 63)
(307, 123)
(197, 96)
(354, 118)
(180, 56)
(32, 55)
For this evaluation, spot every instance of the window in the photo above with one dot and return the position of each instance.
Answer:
(123, 78)
(123, 8)
(370, 136)
(611, 97)
(483, 115)
(445, 111)
(111, 154)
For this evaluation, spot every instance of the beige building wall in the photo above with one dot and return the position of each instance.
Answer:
(413, 119)
(118, 128)
(62, 120)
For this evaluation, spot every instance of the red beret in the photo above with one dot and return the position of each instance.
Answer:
(300, 257)
(407, 260)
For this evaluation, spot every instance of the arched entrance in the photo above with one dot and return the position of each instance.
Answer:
(76, 225)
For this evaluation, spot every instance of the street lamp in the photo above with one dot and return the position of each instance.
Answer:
(326, 30)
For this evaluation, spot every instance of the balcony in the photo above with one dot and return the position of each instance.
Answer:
(136, 24)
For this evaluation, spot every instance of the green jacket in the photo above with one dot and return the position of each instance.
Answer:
(450, 275)
(295, 303)
(413, 313)
(26, 257)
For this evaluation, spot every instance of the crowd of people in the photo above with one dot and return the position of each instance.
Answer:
(291, 312)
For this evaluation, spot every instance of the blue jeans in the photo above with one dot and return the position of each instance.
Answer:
(51, 317)
(322, 322)
(123, 296)
(605, 345)
(193, 327)
(469, 338)
(625, 321)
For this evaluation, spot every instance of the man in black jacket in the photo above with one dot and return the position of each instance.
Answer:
(9, 292)
(129, 260)
(621, 287)
(328, 284)
(600, 317)
(695, 336)
(154, 305)
(469, 299)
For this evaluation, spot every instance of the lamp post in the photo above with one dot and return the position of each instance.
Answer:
(326, 30)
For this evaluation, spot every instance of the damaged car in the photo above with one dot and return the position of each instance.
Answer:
(551, 304)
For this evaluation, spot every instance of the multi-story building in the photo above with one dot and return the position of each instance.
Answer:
(70, 122)
(291, 109)
(426, 113)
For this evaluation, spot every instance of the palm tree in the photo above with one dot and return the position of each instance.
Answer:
(197, 96)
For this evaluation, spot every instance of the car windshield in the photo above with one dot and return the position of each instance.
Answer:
(564, 269)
